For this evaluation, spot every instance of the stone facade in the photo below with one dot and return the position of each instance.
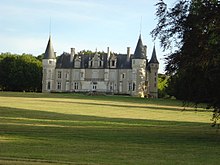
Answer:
(107, 72)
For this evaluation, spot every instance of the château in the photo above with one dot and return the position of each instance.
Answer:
(128, 73)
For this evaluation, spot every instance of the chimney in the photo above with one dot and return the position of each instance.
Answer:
(108, 53)
(128, 53)
(72, 53)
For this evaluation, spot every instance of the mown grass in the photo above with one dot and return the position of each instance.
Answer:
(38, 128)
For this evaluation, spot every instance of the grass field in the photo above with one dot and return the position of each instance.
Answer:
(38, 129)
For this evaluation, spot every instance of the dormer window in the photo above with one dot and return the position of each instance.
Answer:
(113, 63)
(77, 63)
(100, 63)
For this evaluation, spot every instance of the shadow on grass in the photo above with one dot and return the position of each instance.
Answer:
(144, 102)
(55, 136)
(117, 98)
(144, 107)
(36, 114)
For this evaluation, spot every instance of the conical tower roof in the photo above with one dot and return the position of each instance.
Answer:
(49, 53)
(140, 50)
(154, 57)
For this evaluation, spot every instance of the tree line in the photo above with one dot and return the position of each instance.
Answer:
(20, 72)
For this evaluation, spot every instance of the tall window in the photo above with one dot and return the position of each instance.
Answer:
(76, 85)
(91, 63)
(67, 76)
(111, 87)
(129, 87)
(58, 85)
(59, 74)
(133, 86)
(100, 63)
(48, 85)
(113, 63)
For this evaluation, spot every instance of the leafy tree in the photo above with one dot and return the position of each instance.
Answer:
(20, 72)
(193, 27)
(89, 52)
(40, 57)
(162, 85)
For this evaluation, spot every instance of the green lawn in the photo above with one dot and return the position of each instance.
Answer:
(38, 128)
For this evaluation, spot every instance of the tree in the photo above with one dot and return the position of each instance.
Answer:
(193, 27)
(20, 72)
(162, 85)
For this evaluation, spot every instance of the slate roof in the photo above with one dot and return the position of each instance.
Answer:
(154, 57)
(49, 53)
(140, 50)
(122, 62)
(66, 61)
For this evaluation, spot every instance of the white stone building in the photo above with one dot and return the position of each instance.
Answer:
(109, 73)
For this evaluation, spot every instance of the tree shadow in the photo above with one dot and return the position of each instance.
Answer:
(144, 107)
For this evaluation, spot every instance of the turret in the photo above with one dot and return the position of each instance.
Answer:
(49, 64)
(139, 69)
(153, 75)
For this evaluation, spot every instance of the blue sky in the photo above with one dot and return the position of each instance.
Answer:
(82, 24)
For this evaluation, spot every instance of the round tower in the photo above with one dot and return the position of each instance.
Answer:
(139, 69)
(153, 75)
(49, 65)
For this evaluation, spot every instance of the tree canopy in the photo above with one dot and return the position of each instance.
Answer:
(20, 72)
(193, 28)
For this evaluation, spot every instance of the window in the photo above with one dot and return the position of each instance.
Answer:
(111, 86)
(133, 86)
(129, 86)
(76, 85)
(155, 85)
(94, 87)
(59, 74)
(122, 76)
(155, 79)
(67, 86)
(58, 85)
(67, 76)
(113, 62)
(48, 86)
(91, 63)
(50, 62)
(100, 63)
(155, 73)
